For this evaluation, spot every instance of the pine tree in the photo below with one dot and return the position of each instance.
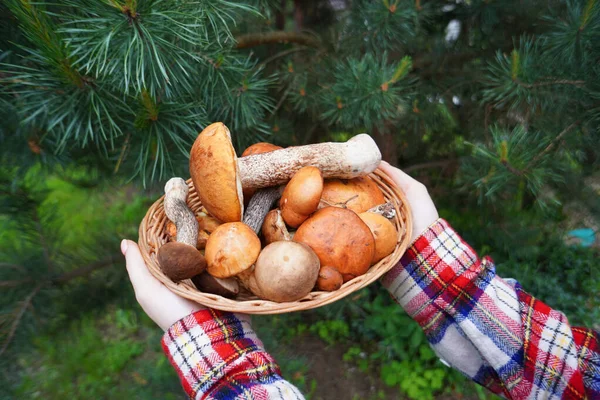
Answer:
(491, 103)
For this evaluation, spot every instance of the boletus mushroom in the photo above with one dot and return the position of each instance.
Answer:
(358, 194)
(232, 248)
(227, 287)
(329, 279)
(286, 271)
(219, 175)
(384, 233)
(256, 148)
(301, 196)
(340, 239)
(273, 228)
(180, 260)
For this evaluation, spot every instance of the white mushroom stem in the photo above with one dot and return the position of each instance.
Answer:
(259, 206)
(177, 210)
(356, 157)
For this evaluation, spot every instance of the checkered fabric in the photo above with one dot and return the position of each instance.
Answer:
(488, 327)
(218, 356)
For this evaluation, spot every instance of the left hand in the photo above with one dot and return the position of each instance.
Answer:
(159, 303)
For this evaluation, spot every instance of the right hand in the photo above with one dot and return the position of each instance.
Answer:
(424, 212)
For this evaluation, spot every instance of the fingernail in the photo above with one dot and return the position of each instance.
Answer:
(124, 245)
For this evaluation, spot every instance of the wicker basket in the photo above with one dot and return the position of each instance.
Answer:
(153, 235)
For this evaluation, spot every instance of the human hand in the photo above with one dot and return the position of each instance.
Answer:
(424, 212)
(159, 303)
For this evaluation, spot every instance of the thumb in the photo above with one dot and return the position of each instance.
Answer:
(136, 267)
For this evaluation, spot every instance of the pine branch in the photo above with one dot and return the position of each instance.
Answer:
(554, 143)
(19, 316)
(512, 169)
(85, 270)
(578, 83)
(45, 249)
(257, 39)
(431, 164)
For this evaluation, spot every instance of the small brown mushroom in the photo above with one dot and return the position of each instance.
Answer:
(340, 239)
(207, 283)
(358, 194)
(180, 260)
(301, 196)
(286, 271)
(273, 228)
(384, 232)
(329, 279)
(232, 248)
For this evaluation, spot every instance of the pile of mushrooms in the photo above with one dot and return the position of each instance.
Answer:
(276, 222)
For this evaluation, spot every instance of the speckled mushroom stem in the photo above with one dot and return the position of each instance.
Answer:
(259, 206)
(177, 210)
(356, 157)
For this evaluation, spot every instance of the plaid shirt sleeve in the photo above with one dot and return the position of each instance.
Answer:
(218, 356)
(488, 327)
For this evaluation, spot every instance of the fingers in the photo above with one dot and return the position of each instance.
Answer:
(400, 177)
(136, 267)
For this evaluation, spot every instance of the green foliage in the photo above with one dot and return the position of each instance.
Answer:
(99, 357)
(500, 120)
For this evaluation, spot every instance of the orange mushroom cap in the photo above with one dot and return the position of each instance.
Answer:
(384, 232)
(214, 171)
(358, 194)
(340, 239)
(232, 248)
(301, 196)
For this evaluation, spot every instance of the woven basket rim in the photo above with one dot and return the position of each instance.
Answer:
(152, 234)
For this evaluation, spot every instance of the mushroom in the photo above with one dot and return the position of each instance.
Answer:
(180, 260)
(286, 271)
(232, 248)
(219, 175)
(358, 194)
(301, 196)
(340, 239)
(207, 283)
(384, 233)
(256, 148)
(329, 279)
(248, 280)
(273, 228)
(202, 233)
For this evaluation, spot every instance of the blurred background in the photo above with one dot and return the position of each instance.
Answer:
(494, 105)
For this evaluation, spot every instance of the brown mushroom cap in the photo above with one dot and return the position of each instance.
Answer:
(273, 228)
(180, 261)
(301, 196)
(207, 283)
(358, 194)
(329, 279)
(286, 271)
(257, 148)
(232, 248)
(384, 232)
(340, 239)
(214, 171)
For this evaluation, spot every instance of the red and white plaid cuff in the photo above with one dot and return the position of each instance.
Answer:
(217, 355)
